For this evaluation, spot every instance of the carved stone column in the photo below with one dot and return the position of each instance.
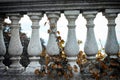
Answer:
(2, 46)
(112, 46)
(15, 48)
(71, 46)
(90, 47)
(34, 47)
(52, 46)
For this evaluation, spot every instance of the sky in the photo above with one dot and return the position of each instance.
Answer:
(100, 28)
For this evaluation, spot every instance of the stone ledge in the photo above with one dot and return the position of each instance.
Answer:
(58, 5)
(22, 76)
(27, 76)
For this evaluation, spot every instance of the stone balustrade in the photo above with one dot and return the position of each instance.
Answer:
(71, 48)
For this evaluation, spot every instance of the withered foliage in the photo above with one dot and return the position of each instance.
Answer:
(108, 68)
(56, 65)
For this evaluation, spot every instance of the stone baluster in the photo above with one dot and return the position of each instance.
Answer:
(52, 46)
(2, 46)
(34, 47)
(91, 47)
(71, 46)
(112, 46)
(15, 48)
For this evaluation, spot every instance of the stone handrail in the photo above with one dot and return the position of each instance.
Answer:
(24, 6)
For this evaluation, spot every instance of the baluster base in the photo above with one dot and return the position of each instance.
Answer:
(113, 56)
(2, 66)
(15, 67)
(91, 58)
(34, 64)
(72, 62)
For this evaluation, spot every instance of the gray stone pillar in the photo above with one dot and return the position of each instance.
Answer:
(52, 46)
(71, 46)
(15, 48)
(2, 46)
(112, 46)
(34, 47)
(90, 47)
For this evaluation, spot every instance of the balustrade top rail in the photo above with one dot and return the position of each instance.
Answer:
(51, 5)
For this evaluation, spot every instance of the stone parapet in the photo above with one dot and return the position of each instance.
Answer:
(23, 76)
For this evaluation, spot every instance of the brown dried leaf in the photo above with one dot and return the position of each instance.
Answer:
(58, 32)
(103, 65)
(48, 19)
(49, 31)
(59, 37)
(62, 41)
(37, 72)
